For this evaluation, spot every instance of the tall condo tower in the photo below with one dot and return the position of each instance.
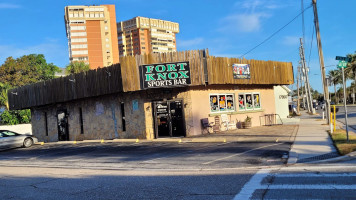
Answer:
(141, 35)
(92, 35)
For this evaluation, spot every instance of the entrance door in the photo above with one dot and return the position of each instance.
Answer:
(169, 118)
(62, 120)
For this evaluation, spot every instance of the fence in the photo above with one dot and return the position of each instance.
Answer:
(124, 77)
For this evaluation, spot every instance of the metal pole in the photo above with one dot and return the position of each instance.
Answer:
(298, 102)
(321, 59)
(308, 93)
(344, 84)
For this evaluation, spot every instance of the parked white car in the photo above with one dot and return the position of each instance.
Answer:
(10, 139)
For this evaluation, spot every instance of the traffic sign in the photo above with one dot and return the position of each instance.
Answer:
(342, 64)
(342, 58)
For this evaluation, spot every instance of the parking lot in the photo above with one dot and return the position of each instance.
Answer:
(148, 155)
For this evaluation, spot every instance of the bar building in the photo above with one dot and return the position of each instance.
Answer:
(141, 35)
(92, 35)
(152, 96)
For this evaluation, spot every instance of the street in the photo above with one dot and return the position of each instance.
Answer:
(134, 170)
(340, 115)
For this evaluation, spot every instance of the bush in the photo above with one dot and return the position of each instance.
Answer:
(15, 117)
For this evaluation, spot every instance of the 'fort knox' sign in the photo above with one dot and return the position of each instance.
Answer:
(165, 75)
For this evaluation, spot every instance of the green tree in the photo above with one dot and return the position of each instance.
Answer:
(26, 70)
(18, 72)
(4, 87)
(77, 67)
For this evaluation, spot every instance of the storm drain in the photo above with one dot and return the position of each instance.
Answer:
(317, 158)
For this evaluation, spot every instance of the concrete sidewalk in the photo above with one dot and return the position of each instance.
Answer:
(312, 142)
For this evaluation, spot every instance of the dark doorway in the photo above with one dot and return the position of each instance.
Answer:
(169, 118)
(62, 120)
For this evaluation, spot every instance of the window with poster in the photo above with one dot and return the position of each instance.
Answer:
(222, 103)
(249, 101)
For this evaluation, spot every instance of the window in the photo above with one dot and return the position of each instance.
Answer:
(81, 121)
(79, 34)
(222, 103)
(249, 101)
(46, 123)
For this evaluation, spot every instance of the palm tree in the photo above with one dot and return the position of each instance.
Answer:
(4, 87)
(350, 70)
(335, 76)
(77, 67)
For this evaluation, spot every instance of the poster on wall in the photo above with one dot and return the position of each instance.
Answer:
(249, 103)
(214, 106)
(241, 102)
(165, 75)
(222, 103)
(230, 103)
(256, 101)
(241, 71)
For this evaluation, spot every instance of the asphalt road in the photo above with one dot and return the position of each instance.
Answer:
(150, 155)
(134, 170)
(340, 115)
(236, 170)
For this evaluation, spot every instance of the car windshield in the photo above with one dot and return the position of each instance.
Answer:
(8, 133)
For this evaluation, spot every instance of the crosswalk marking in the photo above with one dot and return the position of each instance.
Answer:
(315, 175)
(312, 187)
(258, 182)
(255, 182)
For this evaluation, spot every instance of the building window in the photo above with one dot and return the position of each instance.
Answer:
(81, 121)
(46, 123)
(249, 101)
(222, 103)
(143, 47)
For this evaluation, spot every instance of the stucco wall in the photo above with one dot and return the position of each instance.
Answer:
(201, 104)
(102, 117)
(20, 128)
(281, 99)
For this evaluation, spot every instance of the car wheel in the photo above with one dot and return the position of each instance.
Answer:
(27, 142)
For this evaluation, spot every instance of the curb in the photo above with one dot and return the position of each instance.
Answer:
(333, 160)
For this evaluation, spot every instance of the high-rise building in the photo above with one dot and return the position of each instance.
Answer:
(92, 34)
(141, 35)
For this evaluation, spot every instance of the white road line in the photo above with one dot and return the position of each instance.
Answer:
(315, 175)
(253, 184)
(227, 157)
(311, 187)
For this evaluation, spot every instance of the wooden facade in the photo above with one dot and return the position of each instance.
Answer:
(124, 77)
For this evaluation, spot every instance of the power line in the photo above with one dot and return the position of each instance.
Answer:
(276, 32)
(311, 46)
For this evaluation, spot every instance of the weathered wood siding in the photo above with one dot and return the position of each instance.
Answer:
(76, 86)
(124, 77)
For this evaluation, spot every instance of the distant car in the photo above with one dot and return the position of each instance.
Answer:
(10, 139)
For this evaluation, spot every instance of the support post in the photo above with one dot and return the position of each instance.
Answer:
(321, 59)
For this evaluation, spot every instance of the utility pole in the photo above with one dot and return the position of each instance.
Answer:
(321, 60)
(301, 83)
(307, 85)
(298, 102)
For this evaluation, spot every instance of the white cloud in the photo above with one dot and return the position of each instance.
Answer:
(291, 40)
(189, 43)
(9, 6)
(243, 22)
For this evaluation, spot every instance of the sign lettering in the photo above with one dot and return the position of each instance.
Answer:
(165, 75)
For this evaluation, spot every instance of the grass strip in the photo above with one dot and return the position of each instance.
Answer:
(339, 139)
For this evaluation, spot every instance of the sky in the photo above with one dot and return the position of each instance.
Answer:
(228, 28)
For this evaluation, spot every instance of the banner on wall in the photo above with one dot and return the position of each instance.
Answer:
(241, 71)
